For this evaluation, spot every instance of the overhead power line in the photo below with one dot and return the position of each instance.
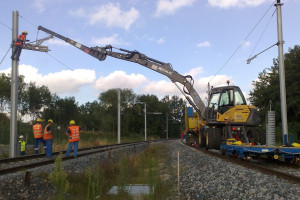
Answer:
(5, 55)
(262, 34)
(5, 25)
(243, 41)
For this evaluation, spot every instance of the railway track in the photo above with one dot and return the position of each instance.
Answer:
(12, 165)
(267, 167)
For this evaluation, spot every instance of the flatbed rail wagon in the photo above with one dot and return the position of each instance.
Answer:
(247, 152)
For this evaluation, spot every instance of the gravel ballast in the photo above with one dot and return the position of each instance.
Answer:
(205, 177)
(201, 177)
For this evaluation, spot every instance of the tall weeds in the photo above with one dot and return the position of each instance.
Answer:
(59, 178)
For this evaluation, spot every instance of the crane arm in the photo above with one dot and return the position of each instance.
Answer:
(139, 58)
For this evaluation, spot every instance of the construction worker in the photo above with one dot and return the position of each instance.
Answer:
(38, 135)
(19, 45)
(73, 134)
(22, 145)
(48, 137)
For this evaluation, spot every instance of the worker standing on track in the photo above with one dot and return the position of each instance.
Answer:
(38, 135)
(18, 46)
(48, 137)
(73, 134)
(22, 145)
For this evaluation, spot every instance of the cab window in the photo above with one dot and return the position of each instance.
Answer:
(226, 98)
(214, 101)
(239, 98)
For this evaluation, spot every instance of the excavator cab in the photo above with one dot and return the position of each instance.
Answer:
(222, 100)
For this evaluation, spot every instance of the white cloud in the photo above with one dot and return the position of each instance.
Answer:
(70, 80)
(160, 88)
(160, 40)
(113, 40)
(119, 79)
(109, 14)
(236, 3)
(65, 81)
(204, 44)
(195, 71)
(40, 5)
(169, 7)
(55, 41)
(246, 44)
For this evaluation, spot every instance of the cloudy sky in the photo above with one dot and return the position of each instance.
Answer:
(198, 37)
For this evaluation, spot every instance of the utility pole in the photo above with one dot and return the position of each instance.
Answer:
(145, 107)
(167, 126)
(282, 74)
(119, 116)
(14, 90)
(14, 82)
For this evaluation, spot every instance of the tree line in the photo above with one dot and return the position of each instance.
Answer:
(99, 115)
(266, 92)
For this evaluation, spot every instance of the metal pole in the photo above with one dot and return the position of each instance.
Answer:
(167, 126)
(145, 109)
(282, 75)
(119, 116)
(14, 90)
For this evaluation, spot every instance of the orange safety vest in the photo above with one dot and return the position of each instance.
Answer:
(74, 135)
(48, 134)
(21, 39)
(37, 130)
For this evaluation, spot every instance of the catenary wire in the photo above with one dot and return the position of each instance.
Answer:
(204, 89)
(5, 55)
(5, 25)
(54, 58)
(243, 41)
(28, 21)
(262, 33)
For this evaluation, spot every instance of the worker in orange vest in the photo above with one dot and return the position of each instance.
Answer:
(19, 45)
(73, 134)
(38, 135)
(48, 137)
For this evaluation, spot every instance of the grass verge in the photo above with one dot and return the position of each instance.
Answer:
(148, 168)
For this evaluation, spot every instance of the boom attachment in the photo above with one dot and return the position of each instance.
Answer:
(134, 56)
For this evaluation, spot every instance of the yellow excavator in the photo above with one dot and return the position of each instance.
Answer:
(227, 114)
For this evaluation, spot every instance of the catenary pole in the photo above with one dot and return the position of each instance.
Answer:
(14, 90)
(167, 126)
(282, 74)
(145, 107)
(119, 116)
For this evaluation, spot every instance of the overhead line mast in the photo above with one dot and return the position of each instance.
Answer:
(282, 74)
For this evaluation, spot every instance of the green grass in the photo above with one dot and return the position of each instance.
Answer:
(146, 168)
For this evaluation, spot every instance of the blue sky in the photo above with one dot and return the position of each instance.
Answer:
(196, 36)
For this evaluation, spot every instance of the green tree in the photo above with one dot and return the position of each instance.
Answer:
(90, 114)
(5, 92)
(267, 89)
(109, 105)
(5, 89)
(62, 110)
(36, 98)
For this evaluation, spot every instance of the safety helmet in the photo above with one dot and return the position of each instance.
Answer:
(72, 122)
(51, 121)
(39, 120)
(21, 137)
(24, 32)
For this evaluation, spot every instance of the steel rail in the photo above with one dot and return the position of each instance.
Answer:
(266, 170)
(46, 161)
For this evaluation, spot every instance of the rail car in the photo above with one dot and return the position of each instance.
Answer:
(247, 152)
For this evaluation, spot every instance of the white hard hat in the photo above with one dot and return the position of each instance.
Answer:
(21, 136)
